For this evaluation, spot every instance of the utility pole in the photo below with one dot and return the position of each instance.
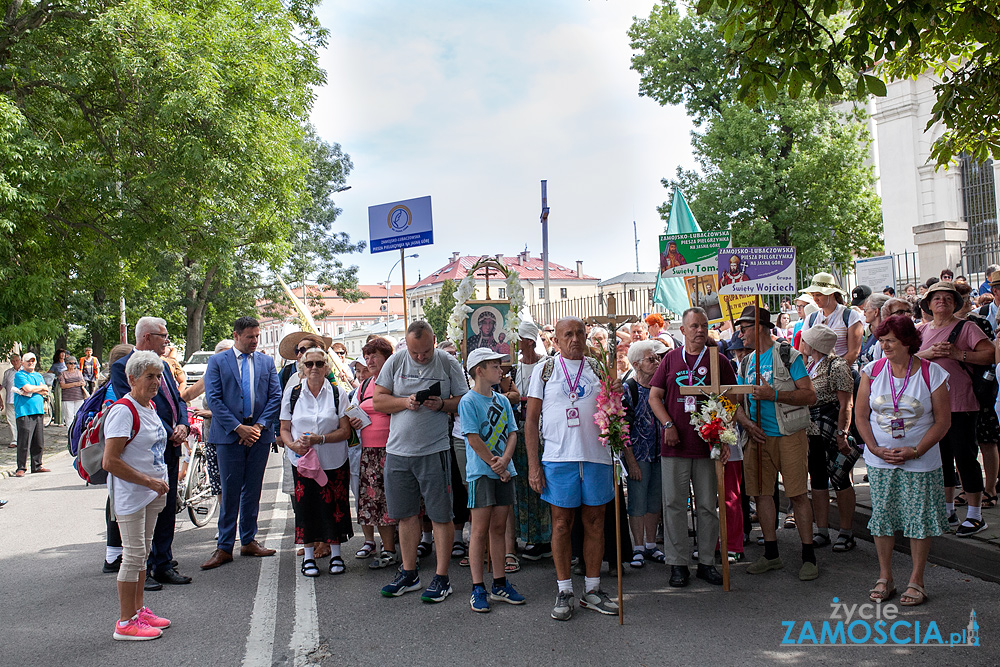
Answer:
(635, 235)
(545, 250)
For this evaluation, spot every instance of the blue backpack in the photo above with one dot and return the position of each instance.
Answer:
(90, 408)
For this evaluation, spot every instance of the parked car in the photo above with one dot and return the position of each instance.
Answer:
(195, 367)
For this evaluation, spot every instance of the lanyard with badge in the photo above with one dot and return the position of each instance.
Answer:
(572, 412)
(896, 424)
(690, 402)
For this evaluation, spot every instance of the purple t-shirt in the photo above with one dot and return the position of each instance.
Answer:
(674, 372)
(959, 382)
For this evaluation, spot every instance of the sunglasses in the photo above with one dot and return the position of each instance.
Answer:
(314, 364)
(302, 350)
(342, 353)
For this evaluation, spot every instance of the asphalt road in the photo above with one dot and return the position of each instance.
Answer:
(58, 607)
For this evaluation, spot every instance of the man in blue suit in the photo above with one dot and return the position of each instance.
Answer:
(242, 391)
(151, 335)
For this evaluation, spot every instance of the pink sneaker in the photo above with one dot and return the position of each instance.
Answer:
(152, 619)
(136, 630)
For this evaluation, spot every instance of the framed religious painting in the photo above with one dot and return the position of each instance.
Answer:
(488, 325)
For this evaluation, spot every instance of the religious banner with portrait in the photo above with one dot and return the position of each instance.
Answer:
(490, 323)
(487, 326)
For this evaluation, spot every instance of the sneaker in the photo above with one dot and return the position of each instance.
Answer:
(762, 565)
(478, 601)
(439, 589)
(136, 630)
(808, 571)
(403, 583)
(736, 556)
(953, 521)
(506, 594)
(537, 551)
(971, 527)
(113, 566)
(599, 601)
(152, 619)
(563, 611)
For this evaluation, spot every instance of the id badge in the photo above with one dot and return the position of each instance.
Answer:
(898, 430)
(572, 417)
(690, 404)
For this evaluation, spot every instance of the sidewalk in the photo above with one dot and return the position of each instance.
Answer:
(55, 443)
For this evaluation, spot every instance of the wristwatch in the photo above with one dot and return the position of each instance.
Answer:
(841, 431)
(668, 424)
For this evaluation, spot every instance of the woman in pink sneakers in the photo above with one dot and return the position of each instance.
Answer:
(135, 441)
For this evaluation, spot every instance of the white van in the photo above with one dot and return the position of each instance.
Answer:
(195, 367)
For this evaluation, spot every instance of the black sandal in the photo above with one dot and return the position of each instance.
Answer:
(960, 500)
(458, 550)
(989, 501)
(821, 540)
(309, 568)
(423, 549)
(844, 543)
(337, 565)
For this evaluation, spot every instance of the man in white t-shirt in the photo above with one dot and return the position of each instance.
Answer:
(575, 470)
(847, 323)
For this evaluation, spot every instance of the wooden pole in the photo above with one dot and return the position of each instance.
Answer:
(756, 356)
(720, 478)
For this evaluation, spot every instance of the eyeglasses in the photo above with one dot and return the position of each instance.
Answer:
(165, 336)
(898, 312)
(302, 350)
(654, 359)
(314, 364)
(342, 353)
(746, 327)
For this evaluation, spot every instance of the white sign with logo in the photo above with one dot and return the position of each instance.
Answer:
(400, 224)
(876, 272)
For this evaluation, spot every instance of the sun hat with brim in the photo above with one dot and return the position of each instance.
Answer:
(824, 283)
(747, 316)
(481, 354)
(942, 286)
(286, 348)
(806, 299)
(820, 338)
(995, 283)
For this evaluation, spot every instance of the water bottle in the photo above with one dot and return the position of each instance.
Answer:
(989, 375)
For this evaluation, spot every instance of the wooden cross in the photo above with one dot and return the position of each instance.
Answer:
(487, 273)
(715, 387)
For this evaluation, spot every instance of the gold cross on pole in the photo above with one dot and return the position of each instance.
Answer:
(715, 387)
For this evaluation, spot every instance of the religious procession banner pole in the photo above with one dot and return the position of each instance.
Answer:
(612, 321)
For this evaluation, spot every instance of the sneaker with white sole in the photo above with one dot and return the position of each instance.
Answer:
(599, 601)
(506, 593)
(403, 583)
(136, 630)
(479, 601)
(152, 619)
(439, 589)
(953, 521)
(563, 611)
(971, 527)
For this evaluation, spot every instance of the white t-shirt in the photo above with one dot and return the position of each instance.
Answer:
(143, 454)
(316, 415)
(914, 409)
(562, 442)
(836, 322)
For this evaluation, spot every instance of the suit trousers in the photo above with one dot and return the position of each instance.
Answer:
(241, 469)
(163, 533)
(678, 474)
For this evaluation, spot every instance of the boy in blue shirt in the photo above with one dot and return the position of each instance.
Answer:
(490, 437)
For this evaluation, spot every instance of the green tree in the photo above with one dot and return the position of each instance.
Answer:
(836, 46)
(781, 172)
(437, 311)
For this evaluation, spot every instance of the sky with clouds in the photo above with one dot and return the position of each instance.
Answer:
(474, 103)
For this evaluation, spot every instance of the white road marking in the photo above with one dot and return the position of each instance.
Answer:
(305, 636)
(260, 640)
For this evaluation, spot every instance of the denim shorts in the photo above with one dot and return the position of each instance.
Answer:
(570, 484)
(645, 495)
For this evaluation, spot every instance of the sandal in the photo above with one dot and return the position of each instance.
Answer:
(844, 543)
(656, 556)
(464, 562)
(511, 564)
(367, 550)
(459, 549)
(337, 565)
(638, 559)
(309, 568)
(883, 595)
(423, 549)
(915, 600)
(384, 559)
(989, 501)
(821, 540)
(960, 500)
(789, 522)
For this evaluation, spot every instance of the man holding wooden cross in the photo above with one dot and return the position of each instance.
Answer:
(685, 458)
(780, 444)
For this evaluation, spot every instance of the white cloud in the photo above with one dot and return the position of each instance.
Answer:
(475, 105)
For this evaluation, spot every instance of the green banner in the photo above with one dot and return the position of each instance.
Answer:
(692, 254)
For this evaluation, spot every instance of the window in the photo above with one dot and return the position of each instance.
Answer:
(340, 330)
(541, 292)
(631, 295)
(413, 303)
(421, 303)
(563, 292)
(979, 209)
(502, 293)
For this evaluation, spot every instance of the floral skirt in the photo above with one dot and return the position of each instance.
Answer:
(912, 502)
(323, 513)
(372, 510)
(532, 516)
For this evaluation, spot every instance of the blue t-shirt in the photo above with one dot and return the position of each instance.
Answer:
(768, 417)
(492, 419)
(33, 404)
(644, 431)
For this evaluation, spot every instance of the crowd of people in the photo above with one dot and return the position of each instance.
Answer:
(428, 446)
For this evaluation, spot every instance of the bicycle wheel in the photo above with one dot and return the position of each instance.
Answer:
(47, 414)
(201, 503)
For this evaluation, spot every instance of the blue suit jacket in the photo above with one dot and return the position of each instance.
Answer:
(224, 397)
(120, 383)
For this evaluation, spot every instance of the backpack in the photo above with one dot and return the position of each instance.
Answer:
(89, 462)
(985, 390)
(90, 408)
(550, 364)
(790, 418)
(297, 391)
(815, 316)
(924, 369)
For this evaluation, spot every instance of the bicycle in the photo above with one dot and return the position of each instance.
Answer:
(194, 492)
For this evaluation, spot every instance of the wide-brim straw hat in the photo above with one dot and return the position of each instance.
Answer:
(942, 286)
(824, 283)
(286, 348)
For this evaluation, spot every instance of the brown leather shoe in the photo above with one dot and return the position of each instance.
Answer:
(219, 557)
(254, 549)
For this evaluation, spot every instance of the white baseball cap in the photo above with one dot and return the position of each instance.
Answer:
(481, 354)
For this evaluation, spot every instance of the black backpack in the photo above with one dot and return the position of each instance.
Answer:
(985, 390)
(297, 391)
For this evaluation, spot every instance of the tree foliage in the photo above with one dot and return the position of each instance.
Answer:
(838, 46)
(437, 312)
(777, 172)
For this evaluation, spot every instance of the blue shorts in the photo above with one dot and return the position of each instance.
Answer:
(570, 484)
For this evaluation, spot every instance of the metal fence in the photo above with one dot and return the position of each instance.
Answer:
(976, 256)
